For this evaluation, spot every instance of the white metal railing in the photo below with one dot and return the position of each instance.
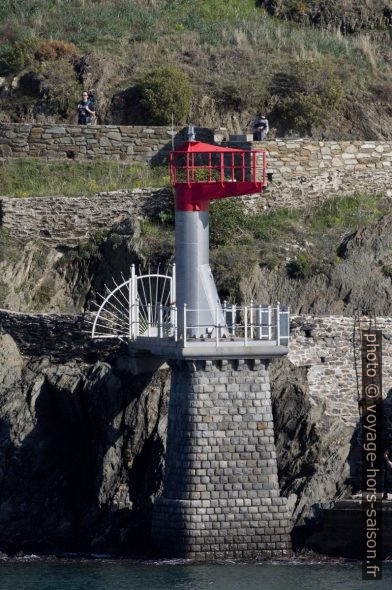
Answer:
(241, 324)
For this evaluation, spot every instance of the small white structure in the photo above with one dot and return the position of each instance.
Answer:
(143, 310)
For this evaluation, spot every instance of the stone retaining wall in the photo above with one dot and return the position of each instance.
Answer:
(306, 172)
(65, 221)
(103, 142)
(292, 158)
(325, 345)
(309, 191)
(60, 337)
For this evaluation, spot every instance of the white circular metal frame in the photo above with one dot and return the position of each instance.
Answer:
(139, 306)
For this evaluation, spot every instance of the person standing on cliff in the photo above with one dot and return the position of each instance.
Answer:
(85, 110)
(92, 100)
(260, 128)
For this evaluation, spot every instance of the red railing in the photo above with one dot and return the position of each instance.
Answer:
(213, 167)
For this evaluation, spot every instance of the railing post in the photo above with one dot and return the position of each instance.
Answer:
(269, 322)
(251, 320)
(175, 323)
(222, 172)
(132, 286)
(149, 320)
(173, 285)
(254, 156)
(259, 322)
(278, 323)
(130, 309)
(160, 320)
(246, 326)
(137, 317)
(184, 336)
(233, 314)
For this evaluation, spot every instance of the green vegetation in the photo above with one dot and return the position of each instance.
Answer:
(37, 178)
(155, 242)
(233, 51)
(9, 247)
(305, 241)
(303, 266)
(348, 16)
(310, 94)
(164, 92)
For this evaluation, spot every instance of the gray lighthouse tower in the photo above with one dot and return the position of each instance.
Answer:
(221, 495)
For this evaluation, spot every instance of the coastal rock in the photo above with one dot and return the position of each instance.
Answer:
(81, 453)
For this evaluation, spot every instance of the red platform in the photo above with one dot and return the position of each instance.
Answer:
(201, 172)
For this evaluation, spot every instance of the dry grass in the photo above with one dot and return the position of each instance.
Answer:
(217, 42)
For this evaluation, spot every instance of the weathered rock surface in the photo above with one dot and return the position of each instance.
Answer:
(81, 452)
(317, 453)
(349, 16)
(359, 279)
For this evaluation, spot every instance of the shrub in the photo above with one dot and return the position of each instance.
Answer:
(387, 270)
(54, 50)
(227, 220)
(244, 94)
(17, 55)
(301, 267)
(232, 97)
(59, 86)
(309, 94)
(165, 90)
(232, 264)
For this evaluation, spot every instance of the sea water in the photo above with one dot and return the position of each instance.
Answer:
(38, 574)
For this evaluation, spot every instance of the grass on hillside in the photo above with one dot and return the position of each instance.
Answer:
(334, 216)
(306, 241)
(38, 178)
(108, 26)
(212, 40)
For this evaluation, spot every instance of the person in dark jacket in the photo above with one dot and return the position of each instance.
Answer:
(260, 128)
(85, 110)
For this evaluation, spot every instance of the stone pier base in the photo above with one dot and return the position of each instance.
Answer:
(221, 492)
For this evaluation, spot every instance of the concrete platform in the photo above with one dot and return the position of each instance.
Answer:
(208, 349)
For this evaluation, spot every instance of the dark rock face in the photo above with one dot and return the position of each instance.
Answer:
(81, 453)
(317, 454)
(350, 16)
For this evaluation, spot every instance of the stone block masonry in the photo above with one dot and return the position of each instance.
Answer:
(67, 221)
(131, 144)
(325, 345)
(307, 172)
(221, 493)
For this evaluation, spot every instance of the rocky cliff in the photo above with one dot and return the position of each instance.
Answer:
(81, 451)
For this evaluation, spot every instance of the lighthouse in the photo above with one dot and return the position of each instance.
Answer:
(220, 497)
